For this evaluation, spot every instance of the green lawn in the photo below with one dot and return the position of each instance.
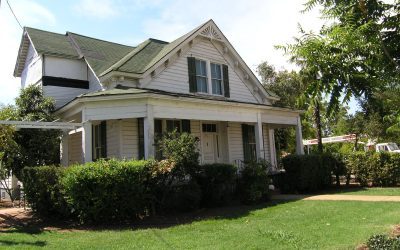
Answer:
(367, 191)
(291, 225)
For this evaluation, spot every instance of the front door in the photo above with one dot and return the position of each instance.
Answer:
(208, 148)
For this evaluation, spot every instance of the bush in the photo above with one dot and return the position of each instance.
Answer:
(307, 173)
(383, 242)
(377, 169)
(107, 190)
(182, 149)
(254, 182)
(43, 190)
(217, 182)
(182, 198)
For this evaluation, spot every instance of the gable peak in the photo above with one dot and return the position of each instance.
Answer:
(211, 32)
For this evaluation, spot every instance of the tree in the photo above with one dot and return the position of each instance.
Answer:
(37, 147)
(8, 148)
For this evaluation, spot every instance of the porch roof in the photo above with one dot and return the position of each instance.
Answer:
(120, 90)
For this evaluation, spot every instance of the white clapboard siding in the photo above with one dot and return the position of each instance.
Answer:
(235, 141)
(175, 78)
(65, 68)
(75, 148)
(62, 95)
(129, 139)
(94, 84)
(113, 139)
(114, 110)
(195, 128)
(267, 147)
(32, 72)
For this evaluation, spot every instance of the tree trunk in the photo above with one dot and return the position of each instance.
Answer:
(356, 143)
(317, 119)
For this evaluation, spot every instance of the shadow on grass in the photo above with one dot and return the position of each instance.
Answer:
(231, 212)
(10, 243)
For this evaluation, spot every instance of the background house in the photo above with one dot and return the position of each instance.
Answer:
(125, 96)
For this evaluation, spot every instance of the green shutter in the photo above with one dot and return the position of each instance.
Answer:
(186, 126)
(245, 138)
(103, 135)
(141, 138)
(192, 74)
(226, 80)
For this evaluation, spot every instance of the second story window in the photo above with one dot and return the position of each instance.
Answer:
(216, 78)
(207, 77)
(201, 76)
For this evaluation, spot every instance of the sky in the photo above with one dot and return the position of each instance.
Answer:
(253, 27)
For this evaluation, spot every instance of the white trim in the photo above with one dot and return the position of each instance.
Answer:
(42, 125)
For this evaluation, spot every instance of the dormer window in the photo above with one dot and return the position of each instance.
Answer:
(206, 77)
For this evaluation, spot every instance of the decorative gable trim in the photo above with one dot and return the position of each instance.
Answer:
(210, 32)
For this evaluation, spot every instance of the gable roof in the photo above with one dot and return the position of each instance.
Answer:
(107, 58)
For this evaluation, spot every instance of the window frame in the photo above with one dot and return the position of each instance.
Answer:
(221, 80)
(202, 76)
(209, 77)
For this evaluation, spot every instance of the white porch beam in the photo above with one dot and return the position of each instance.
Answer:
(87, 141)
(299, 138)
(64, 148)
(259, 138)
(42, 125)
(148, 127)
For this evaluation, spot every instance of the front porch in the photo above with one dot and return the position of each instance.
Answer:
(128, 129)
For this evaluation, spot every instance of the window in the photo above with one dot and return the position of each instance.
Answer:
(216, 79)
(249, 143)
(201, 76)
(173, 124)
(210, 128)
(99, 141)
(208, 77)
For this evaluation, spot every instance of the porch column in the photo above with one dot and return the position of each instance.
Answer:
(259, 138)
(271, 136)
(148, 127)
(64, 148)
(299, 138)
(87, 141)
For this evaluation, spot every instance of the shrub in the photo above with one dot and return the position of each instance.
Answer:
(217, 182)
(254, 182)
(377, 169)
(383, 242)
(307, 173)
(182, 149)
(107, 190)
(182, 198)
(43, 190)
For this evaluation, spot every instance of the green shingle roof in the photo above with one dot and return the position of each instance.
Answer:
(52, 44)
(99, 54)
(103, 56)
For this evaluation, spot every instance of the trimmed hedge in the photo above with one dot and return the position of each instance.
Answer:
(107, 190)
(376, 169)
(125, 190)
(217, 182)
(44, 192)
(307, 173)
(254, 183)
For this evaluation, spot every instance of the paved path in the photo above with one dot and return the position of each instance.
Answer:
(336, 197)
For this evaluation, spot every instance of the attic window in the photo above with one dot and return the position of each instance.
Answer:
(207, 77)
(201, 76)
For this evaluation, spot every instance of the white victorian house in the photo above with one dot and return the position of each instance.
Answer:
(124, 96)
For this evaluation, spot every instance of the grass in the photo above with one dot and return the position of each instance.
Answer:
(391, 191)
(291, 225)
